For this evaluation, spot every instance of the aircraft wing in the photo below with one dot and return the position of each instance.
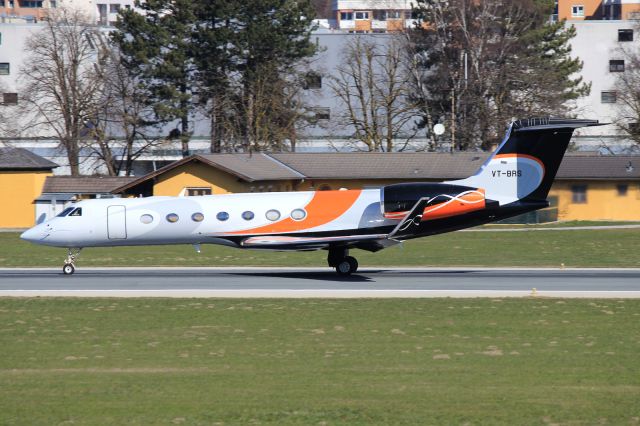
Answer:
(372, 242)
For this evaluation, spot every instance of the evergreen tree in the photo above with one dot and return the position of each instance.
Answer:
(235, 60)
(485, 63)
(157, 47)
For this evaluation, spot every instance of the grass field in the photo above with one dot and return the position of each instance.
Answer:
(319, 362)
(584, 248)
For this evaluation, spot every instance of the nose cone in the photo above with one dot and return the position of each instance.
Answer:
(34, 234)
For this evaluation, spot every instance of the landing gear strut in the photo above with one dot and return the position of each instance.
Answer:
(69, 264)
(339, 258)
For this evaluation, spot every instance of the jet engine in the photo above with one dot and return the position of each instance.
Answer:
(442, 200)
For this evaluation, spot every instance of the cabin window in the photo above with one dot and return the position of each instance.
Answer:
(273, 215)
(248, 215)
(579, 194)
(222, 216)
(172, 217)
(298, 214)
(197, 217)
(76, 212)
(622, 189)
(65, 212)
(146, 219)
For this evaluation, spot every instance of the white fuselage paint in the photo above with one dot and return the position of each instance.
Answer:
(117, 221)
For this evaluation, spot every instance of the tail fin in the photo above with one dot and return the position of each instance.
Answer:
(526, 162)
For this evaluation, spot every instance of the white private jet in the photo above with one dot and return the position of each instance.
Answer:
(515, 179)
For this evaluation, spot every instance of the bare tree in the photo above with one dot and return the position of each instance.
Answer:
(373, 86)
(124, 126)
(61, 85)
(627, 84)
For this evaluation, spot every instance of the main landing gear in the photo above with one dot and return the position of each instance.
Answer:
(339, 258)
(69, 264)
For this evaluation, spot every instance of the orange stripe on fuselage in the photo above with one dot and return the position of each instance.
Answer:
(324, 207)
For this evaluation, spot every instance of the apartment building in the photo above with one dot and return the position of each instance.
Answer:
(372, 16)
(102, 12)
(579, 10)
(25, 10)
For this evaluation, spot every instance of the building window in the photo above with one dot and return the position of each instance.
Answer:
(577, 11)
(616, 65)
(9, 98)
(608, 97)
(312, 80)
(191, 192)
(222, 216)
(633, 128)
(4, 68)
(625, 35)
(579, 194)
(322, 113)
(394, 14)
(172, 217)
(622, 189)
(53, 4)
(362, 16)
(31, 3)
(380, 15)
(197, 217)
(114, 8)
(346, 16)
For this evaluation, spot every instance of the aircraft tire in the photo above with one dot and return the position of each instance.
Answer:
(68, 269)
(347, 266)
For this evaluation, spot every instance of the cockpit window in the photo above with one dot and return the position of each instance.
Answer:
(65, 212)
(76, 212)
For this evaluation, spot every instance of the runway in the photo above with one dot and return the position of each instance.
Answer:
(321, 282)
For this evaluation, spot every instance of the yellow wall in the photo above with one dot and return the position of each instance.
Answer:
(17, 191)
(603, 201)
(195, 174)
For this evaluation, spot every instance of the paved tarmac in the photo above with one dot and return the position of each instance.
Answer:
(321, 282)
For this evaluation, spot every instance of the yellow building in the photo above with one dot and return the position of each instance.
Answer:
(587, 187)
(22, 175)
(598, 9)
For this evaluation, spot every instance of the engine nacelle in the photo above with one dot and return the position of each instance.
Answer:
(443, 200)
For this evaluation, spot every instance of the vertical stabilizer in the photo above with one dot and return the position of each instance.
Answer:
(526, 162)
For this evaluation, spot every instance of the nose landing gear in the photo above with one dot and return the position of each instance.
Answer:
(338, 258)
(69, 264)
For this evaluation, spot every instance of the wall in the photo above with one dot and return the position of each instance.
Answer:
(603, 201)
(175, 181)
(17, 192)
(592, 8)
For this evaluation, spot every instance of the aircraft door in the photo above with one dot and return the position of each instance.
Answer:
(117, 222)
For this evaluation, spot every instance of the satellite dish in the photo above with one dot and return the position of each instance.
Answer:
(438, 129)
